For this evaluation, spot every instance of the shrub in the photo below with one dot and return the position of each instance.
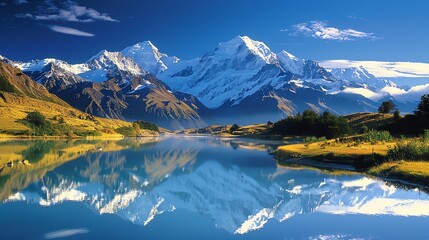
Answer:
(374, 136)
(364, 129)
(147, 125)
(36, 118)
(412, 150)
(396, 115)
(313, 139)
(426, 135)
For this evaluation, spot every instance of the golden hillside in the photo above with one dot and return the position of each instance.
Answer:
(19, 95)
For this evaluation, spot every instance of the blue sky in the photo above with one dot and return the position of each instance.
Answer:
(75, 30)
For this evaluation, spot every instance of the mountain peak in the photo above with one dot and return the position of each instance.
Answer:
(147, 56)
(235, 45)
(288, 55)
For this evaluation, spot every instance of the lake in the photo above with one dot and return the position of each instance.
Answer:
(192, 187)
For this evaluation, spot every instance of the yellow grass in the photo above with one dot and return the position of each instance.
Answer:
(413, 171)
(17, 107)
(338, 149)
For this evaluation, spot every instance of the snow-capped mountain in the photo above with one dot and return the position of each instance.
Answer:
(240, 77)
(148, 57)
(105, 64)
(114, 86)
(360, 77)
(237, 69)
(54, 78)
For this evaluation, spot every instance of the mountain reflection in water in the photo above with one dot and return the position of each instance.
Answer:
(235, 183)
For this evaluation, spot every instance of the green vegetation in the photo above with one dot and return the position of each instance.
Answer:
(5, 86)
(311, 123)
(313, 139)
(423, 106)
(374, 136)
(414, 149)
(411, 124)
(147, 125)
(136, 129)
(387, 107)
(396, 115)
(40, 126)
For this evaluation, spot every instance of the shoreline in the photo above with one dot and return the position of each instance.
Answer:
(389, 171)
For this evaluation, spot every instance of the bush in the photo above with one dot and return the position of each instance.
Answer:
(313, 139)
(374, 136)
(426, 135)
(413, 150)
(147, 125)
(36, 118)
(130, 131)
(364, 129)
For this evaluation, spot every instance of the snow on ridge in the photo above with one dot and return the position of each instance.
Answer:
(383, 69)
(148, 57)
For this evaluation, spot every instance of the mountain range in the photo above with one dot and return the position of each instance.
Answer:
(239, 81)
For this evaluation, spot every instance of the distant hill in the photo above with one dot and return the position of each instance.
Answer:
(371, 120)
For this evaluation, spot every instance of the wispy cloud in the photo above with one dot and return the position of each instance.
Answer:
(21, 1)
(70, 31)
(284, 30)
(320, 29)
(3, 4)
(65, 233)
(68, 11)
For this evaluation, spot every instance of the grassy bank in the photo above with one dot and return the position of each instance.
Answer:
(376, 158)
(415, 172)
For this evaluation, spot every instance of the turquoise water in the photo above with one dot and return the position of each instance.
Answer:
(192, 188)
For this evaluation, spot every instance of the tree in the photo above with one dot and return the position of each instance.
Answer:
(387, 107)
(396, 115)
(36, 118)
(423, 107)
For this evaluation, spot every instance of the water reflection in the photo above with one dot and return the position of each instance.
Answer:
(235, 183)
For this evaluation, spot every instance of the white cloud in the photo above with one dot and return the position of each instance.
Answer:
(70, 31)
(65, 233)
(383, 69)
(21, 2)
(364, 92)
(320, 29)
(68, 11)
(401, 95)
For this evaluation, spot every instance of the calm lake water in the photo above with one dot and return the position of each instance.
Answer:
(192, 188)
